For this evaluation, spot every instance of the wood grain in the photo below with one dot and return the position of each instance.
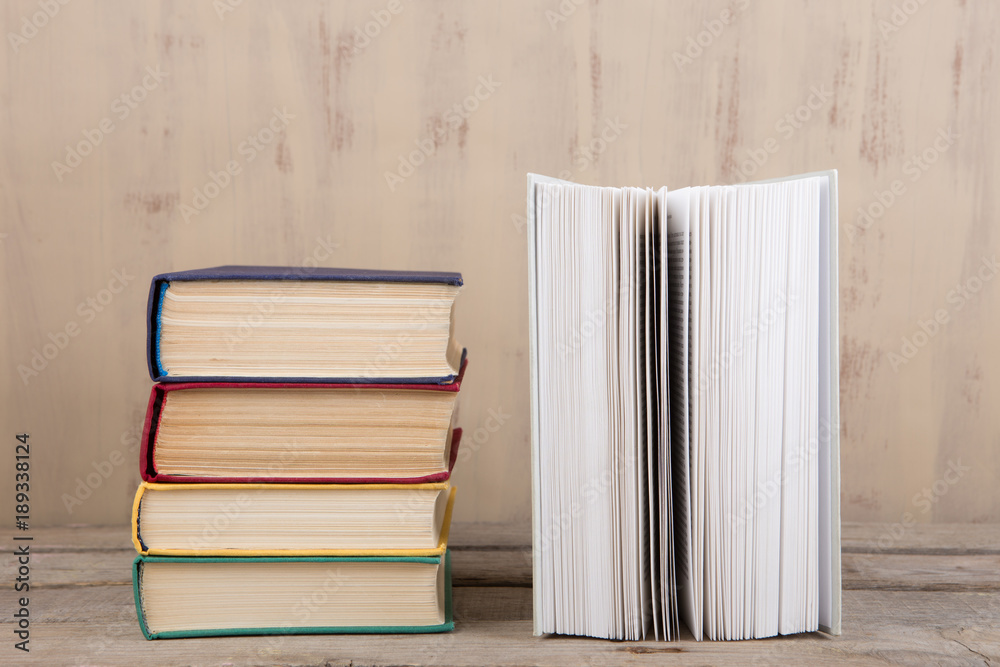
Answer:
(104, 556)
(97, 625)
(550, 85)
(921, 604)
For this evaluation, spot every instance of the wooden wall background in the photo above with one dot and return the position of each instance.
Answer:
(560, 75)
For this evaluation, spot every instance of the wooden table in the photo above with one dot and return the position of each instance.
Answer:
(928, 596)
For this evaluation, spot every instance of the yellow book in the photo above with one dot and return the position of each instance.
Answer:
(260, 520)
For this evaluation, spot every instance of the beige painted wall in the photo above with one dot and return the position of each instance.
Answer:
(557, 82)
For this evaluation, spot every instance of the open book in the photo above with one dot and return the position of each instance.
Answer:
(684, 383)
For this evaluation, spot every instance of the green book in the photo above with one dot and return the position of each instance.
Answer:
(213, 597)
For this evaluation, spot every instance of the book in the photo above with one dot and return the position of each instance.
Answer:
(314, 433)
(684, 409)
(287, 324)
(292, 519)
(209, 597)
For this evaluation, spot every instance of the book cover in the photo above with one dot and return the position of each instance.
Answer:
(447, 626)
(160, 282)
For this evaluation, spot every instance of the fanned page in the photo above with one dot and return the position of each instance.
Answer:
(678, 204)
(683, 367)
(599, 259)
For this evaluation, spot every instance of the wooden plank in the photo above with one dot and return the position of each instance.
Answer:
(98, 625)
(921, 538)
(63, 569)
(472, 535)
(463, 535)
(491, 568)
(80, 537)
(106, 566)
(916, 572)
(942, 538)
(512, 567)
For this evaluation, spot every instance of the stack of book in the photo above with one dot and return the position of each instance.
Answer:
(296, 453)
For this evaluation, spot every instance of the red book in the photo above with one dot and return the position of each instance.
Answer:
(246, 432)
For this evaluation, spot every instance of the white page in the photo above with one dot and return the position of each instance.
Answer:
(664, 548)
(645, 329)
(699, 401)
(577, 516)
(772, 386)
(672, 626)
(829, 406)
(740, 363)
(812, 380)
(641, 574)
(547, 465)
(729, 395)
(793, 529)
(764, 509)
(615, 215)
(710, 417)
(678, 204)
(696, 409)
(749, 512)
(791, 391)
(629, 402)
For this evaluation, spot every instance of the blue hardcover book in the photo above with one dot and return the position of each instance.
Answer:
(295, 324)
